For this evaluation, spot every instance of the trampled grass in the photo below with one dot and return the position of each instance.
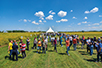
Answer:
(77, 59)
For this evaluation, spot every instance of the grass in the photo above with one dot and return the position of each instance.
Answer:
(77, 59)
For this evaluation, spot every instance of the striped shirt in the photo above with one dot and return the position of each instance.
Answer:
(23, 47)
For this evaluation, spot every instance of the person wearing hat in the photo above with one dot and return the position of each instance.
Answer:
(39, 45)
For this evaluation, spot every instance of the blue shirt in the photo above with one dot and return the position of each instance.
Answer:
(61, 38)
(100, 44)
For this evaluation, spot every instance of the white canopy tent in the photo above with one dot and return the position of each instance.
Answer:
(50, 30)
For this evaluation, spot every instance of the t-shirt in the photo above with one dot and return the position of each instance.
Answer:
(10, 44)
(100, 44)
(67, 43)
(23, 47)
(70, 38)
(74, 41)
(61, 38)
(28, 42)
(39, 43)
(55, 41)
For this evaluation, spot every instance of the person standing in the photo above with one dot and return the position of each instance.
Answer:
(67, 45)
(35, 43)
(15, 47)
(55, 44)
(46, 43)
(61, 40)
(39, 45)
(99, 51)
(28, 42)
(70, 38)
(88, 44)
(20, 43)
(74, 43)
(44, 46)
(91, 46)
(10, 48)
(23, 48)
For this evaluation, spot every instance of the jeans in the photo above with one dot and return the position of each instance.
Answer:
(27, 46)
(11, 52)
(23, 54)
(74, 46)
(44, 50)
(98, 56)
(70, 44)
(34, 46)
(91, 50)
(68, 49)
(61, 43)
(55, 47)
(82, 45)
(15, 54)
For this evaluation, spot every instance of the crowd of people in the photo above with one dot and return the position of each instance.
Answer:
(41, 44)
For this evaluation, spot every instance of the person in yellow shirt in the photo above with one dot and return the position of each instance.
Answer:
(39, 45)
(10, 48)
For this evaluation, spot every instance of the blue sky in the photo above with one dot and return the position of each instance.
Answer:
(61, 15)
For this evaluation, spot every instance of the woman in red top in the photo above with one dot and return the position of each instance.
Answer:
(67, 45)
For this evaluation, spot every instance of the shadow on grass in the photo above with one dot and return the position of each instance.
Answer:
(83, 52)
(62, 53)
(91, 60)
(50, 51)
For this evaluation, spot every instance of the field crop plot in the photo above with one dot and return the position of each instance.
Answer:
(77, 59)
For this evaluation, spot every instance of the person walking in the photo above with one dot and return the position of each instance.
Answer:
(67, 45)
(28, 42)
(10, 48)
(15, 53)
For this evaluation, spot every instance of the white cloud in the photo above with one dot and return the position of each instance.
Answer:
(35, 23)
(39, 14)
(71, 10)
(62, 13)
(89, 25)
(44, 21)
(92, 11)
(74, 18)
(58, 21)
(79, 23)
(20, 20)
(29, 20)
(25, 20)
(85, 18)
(41, 18)
(53, 13)
(94, 27)
(100, 21)
(62, 20)
(40, 21)
(86, 12)
(50, 17)
(96, 24)
(84, 22)
(100, 15)
(50, 11)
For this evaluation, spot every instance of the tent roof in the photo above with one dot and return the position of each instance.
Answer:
(49, 30)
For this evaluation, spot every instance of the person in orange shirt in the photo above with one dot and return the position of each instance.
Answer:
(39, 45)
(74, 43)
(67, 45)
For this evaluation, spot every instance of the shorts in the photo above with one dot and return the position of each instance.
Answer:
(38, 48)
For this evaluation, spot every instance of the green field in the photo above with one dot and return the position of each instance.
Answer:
(77, 59)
